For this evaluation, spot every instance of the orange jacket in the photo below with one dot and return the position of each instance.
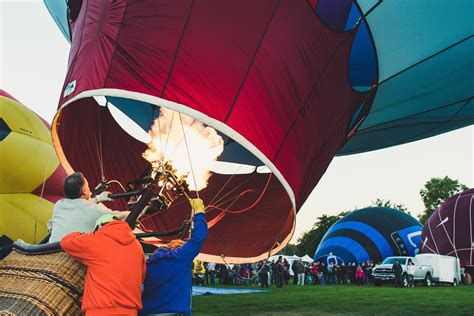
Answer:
(115, 269)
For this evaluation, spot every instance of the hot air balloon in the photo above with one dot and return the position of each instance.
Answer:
(424, 69)
(373, 234)
(30, 173)
(449, 230)
(285, 85)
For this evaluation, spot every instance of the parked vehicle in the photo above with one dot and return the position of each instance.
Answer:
(446, 269)
(383, 273)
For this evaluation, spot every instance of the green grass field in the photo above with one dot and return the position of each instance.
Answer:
(341, 299)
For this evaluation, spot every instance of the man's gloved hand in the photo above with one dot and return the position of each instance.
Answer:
(197, 205)
(103, 197)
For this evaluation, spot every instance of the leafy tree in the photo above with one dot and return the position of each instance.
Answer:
(289, 250)
(389, 204)
(310, 240)
(435, 192)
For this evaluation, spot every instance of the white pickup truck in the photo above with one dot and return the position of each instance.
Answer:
(383, 273)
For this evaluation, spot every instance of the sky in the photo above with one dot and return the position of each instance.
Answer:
(33, 64)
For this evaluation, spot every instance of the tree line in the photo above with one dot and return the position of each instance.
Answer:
(433, 194)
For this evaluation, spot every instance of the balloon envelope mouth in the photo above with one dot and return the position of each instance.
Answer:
(242, 196)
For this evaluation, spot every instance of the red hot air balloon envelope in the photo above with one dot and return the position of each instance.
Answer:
(286, 84)
(450, 230)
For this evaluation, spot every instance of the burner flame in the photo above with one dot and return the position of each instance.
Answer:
(201, 144)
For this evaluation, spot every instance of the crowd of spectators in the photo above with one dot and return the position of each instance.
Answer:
(281, 272)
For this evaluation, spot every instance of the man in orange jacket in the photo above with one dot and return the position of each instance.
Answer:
(115, 267)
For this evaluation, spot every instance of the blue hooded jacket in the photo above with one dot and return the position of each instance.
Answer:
(168, 281)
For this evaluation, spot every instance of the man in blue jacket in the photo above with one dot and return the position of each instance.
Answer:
(168, 281)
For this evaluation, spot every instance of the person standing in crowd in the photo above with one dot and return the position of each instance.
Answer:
(294, 265)
(411, 273)
(78, 212)
(273, 267)
(236, 275)
(353, 273)
(364, 268)
(245, 273)
(370, 269)
(206, 274)
(199, 271)
(280, 272)
(322, 274)
(300, 272)
(263, 275)
(315, 272)
(343, 273)
(286, 265)
(223, 275)
(211, 269)
(397, 270)
(115, 267)
(360, 276)
(332, 273)
(168, 283)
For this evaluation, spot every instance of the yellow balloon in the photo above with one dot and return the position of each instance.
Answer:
(27, 160)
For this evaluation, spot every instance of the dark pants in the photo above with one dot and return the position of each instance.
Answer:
(212, 275)
(360, 281)
(279, 279)
(344, 279)
(398, 280)
(264, 279)
(411, 280)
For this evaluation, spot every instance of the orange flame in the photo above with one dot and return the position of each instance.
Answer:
(167, 143)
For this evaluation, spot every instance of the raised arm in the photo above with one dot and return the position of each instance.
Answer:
(192, 247)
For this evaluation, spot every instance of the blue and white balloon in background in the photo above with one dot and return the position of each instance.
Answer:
(370, 234)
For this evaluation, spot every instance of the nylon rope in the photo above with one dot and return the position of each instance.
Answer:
(189, 155)
(40, 197)
(223, 187)
(226, 210)
(100, 145)
(169, 132)
(161, 140)
(179, 143)
(218, 202)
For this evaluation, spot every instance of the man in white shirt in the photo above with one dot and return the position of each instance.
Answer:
(211, 270)
(78, 212)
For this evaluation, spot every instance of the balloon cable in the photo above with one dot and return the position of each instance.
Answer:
(189, 155)
(161, 140)
(41, 197)
(168, 136)
(101, 161)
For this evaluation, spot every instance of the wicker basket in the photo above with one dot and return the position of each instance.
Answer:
(49, 284)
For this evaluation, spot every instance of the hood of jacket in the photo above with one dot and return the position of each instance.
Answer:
(118, 231)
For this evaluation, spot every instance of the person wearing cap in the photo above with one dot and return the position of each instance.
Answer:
(168, 283)
(78, 212)
(115, 267)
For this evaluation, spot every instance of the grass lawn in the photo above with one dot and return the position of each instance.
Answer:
(341, 299)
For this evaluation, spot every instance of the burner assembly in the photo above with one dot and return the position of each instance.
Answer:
(155, 191)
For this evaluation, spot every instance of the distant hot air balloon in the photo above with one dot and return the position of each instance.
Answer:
(30, 174)
(373, 234)
(450, 230)
(286, 85)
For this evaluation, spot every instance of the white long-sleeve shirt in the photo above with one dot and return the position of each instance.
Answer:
(77, 215)
(411, 269)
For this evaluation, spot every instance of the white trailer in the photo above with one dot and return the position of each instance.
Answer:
(446, 269)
